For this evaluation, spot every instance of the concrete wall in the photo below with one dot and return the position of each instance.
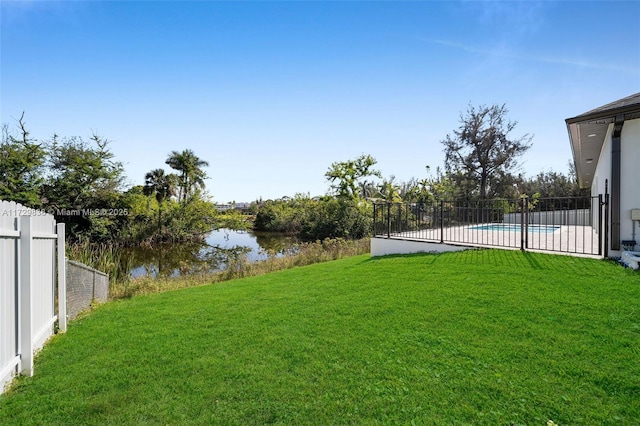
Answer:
(84, 285)
(580, 217)
(384, 246)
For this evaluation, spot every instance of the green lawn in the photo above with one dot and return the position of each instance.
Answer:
(476, 337)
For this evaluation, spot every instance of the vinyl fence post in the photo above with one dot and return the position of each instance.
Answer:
(26, 315)
(62, 279)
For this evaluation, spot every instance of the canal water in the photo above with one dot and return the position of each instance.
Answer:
(218, 249)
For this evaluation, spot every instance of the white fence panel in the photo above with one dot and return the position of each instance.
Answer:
(9, 359)
(43, 279)
(30, 247)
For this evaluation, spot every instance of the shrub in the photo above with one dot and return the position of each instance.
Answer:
(312, 220)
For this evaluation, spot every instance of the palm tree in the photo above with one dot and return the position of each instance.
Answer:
(162, 185)
(191, 174)
(389, 191)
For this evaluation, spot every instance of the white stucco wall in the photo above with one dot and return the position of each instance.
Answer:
(629, 176)
(384, 246)
(603, 170)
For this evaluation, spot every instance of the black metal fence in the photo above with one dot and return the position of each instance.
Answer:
(571, 225)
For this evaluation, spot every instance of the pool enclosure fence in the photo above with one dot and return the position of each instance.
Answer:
(569, 224)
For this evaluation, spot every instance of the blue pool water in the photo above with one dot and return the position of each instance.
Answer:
(542, 229)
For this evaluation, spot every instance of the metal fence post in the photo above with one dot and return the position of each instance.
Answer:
(526, 225)
(522, 219)
(375, 218)
(600, 205)
(441, 221)
(606, 218)
(24, 306)
(388, 220)
(406, 217)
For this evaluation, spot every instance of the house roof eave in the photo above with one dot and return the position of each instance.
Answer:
(588, 131)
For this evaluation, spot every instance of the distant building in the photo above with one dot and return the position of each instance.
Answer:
(233, 206)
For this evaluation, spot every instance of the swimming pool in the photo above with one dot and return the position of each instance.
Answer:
(541, 229)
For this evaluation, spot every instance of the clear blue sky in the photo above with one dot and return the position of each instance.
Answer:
(271, 93)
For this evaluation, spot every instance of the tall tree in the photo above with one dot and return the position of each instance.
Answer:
(22, 161)
(481, 152)
(191, 175)
(162, 185)
(84, 175)
(551, 184)
(348, 178)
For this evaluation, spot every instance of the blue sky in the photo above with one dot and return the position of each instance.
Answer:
(271, 93)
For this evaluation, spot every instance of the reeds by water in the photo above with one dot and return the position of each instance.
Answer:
(103, 257)
(239, 265)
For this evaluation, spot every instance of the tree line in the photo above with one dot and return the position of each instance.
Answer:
(70, 174)
(81, 183)
(482, 161)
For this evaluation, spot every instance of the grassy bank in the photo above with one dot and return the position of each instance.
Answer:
(475, 337)
(238, 265)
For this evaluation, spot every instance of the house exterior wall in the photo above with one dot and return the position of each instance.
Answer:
(603, 171)
(629, 176)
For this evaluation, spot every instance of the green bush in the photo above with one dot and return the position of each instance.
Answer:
(317, 219)
(338, 218)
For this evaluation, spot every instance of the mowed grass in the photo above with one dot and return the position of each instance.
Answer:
(475, 337)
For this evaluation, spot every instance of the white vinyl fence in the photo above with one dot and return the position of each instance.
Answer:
(31, 262)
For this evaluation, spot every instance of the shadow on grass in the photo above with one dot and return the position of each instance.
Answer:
(533, 262)
(428, 257)
(500, 257)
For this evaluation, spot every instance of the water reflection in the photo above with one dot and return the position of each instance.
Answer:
(221, 248)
